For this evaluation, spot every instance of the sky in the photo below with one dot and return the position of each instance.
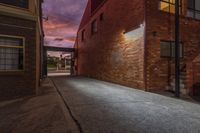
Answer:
(64, 17)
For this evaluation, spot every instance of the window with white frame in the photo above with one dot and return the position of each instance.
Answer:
(193, 9)
(11, 53)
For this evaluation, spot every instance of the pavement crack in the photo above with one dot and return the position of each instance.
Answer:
(68, 108)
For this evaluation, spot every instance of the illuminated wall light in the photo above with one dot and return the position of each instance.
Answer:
(135, 33)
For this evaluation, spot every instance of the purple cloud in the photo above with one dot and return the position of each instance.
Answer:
(64, 18)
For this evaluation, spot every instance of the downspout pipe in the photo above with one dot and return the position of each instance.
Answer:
(145, 45)
(177, 50)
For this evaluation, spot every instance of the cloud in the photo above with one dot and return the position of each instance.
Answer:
(58, 39)
(64, 19)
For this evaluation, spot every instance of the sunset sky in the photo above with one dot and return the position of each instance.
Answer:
(63, 20)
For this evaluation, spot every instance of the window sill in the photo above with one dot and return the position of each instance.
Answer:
(190, 18)
(171, 58)
(181, 16)
(17, 12)
(168, 13)
(16, 7)
(11, 73)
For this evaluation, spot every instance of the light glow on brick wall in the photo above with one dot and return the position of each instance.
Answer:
(135, 33)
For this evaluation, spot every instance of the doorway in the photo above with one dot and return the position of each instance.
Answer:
(58, 61)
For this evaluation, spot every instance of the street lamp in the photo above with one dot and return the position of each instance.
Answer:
(177, 49)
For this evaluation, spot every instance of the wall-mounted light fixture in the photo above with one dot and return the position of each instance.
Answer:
(135, 32)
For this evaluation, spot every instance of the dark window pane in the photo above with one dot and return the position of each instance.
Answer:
(83, 35)
(94, 27)
(9, 60)
(21, 59)
(197, 15)
(191, 4)
(173, 49)
(11, 55)
(11, 41)
(165, 49)
(190, 13)
(197, 5)
(168, 49)
(101, 16)
(18, 3)
(194, 9)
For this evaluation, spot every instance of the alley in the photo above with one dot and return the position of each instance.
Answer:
(102, 107)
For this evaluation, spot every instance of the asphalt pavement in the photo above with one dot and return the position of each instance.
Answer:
(102, 107)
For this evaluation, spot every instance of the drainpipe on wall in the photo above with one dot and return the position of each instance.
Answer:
(177, 50)
(76, 54)
(145, 47)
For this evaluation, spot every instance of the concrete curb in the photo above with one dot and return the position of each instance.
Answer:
(73, 126)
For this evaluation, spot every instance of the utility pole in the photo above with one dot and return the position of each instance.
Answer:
(177, 49)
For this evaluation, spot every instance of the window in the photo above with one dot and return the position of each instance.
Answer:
(94, 26)
(101, 17)
(194, 9)
(169, 5)
(17, 3)
(167, 49)
(11, 53)
(83, 35)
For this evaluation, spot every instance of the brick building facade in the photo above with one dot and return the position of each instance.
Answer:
(131, 42)
(21, 38)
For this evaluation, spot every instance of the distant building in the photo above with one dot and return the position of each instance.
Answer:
(21, 38)
(131, 42)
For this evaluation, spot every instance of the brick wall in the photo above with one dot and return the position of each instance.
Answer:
(15, 84)
(196, 72)
(160, 26)
(110, 54)
(193, 74)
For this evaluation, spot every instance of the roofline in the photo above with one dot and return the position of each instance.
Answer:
(92, 13)
(98, 8)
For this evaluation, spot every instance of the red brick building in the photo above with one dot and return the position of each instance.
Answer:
(131, 42)
(21, 38)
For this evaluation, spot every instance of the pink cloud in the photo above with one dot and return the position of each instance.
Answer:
(64, 18)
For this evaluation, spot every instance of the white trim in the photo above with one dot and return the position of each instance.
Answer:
(16, 26)
(15, 12)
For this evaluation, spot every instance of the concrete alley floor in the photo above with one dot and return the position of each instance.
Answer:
(45, 113)
(102, 107)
